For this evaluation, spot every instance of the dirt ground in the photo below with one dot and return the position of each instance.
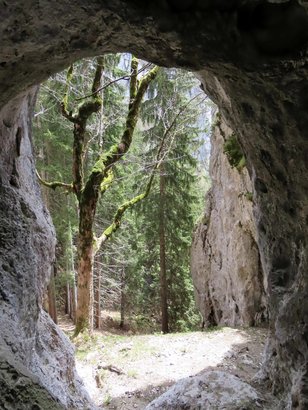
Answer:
(125, 371)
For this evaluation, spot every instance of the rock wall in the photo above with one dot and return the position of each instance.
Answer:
(252, 57)
(225, 263)
(264, 110)
(34, 354)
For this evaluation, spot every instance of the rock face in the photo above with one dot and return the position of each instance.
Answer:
(210, 391)
(252, 58)
(225, 262)
(20, 387)
(36, 359)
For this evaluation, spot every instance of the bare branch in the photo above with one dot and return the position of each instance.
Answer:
(124, 77)
(55, 184)
(85, 110)
(114, 226)
(160, 156)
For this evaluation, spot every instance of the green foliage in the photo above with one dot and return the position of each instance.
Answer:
(249, 196)
(129, 265)
(217, 120)
(234, 153)
(182, 201)
(52, 138)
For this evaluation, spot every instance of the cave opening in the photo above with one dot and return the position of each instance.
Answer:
(257, 76)
(231, 280)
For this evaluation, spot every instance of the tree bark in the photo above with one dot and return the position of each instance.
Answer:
(122, 307)
(162, 255)
(89, 191)
(68, 310)
(97, 298)
(73, 300)
(84, 311)
(52, 308)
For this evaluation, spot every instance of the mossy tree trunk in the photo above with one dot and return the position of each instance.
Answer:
(94, 187)
(85, 255)
(89, 190)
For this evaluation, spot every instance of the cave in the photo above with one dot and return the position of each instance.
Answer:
(251, 56)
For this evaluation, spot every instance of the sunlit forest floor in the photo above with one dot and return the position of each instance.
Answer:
(127, 371)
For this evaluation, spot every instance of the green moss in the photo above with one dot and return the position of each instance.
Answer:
(82, 326)
(241, 164)
(249, 196)
(234, 153)
(107, 181)
(86, 109)
(105, 159)
(217, 120)
(69, 77)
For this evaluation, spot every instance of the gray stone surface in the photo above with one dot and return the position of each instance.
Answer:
(225, 262)
(212, 390)
(252, 58)
(20, 389)
(28, 336)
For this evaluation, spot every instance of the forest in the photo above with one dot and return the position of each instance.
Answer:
(122, 150)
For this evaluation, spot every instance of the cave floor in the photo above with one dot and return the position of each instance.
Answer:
(126, 371)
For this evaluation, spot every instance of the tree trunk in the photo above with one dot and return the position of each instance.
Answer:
(68, 306)
(89, 191)
(162, 254)
(71, 289)
(52, 309)
(84, 312)
(73, 300)
(122, 307)
(97, 298)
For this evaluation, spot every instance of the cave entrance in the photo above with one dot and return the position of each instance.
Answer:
(253, 60)
(173, 130)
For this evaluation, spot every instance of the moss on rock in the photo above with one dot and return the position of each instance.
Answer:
(234, 153)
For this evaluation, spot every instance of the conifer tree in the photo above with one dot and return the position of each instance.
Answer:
(168, 215)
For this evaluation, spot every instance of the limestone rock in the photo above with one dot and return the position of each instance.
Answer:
(225, 263)
(41, 360)
(21, 388)
(213, 390)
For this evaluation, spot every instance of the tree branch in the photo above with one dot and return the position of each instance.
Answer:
(64, 103)
(160, 156)
(116, 152)
(107, 181)
(55, 184)
(116, 80)
(117, 219)
(85, 110)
